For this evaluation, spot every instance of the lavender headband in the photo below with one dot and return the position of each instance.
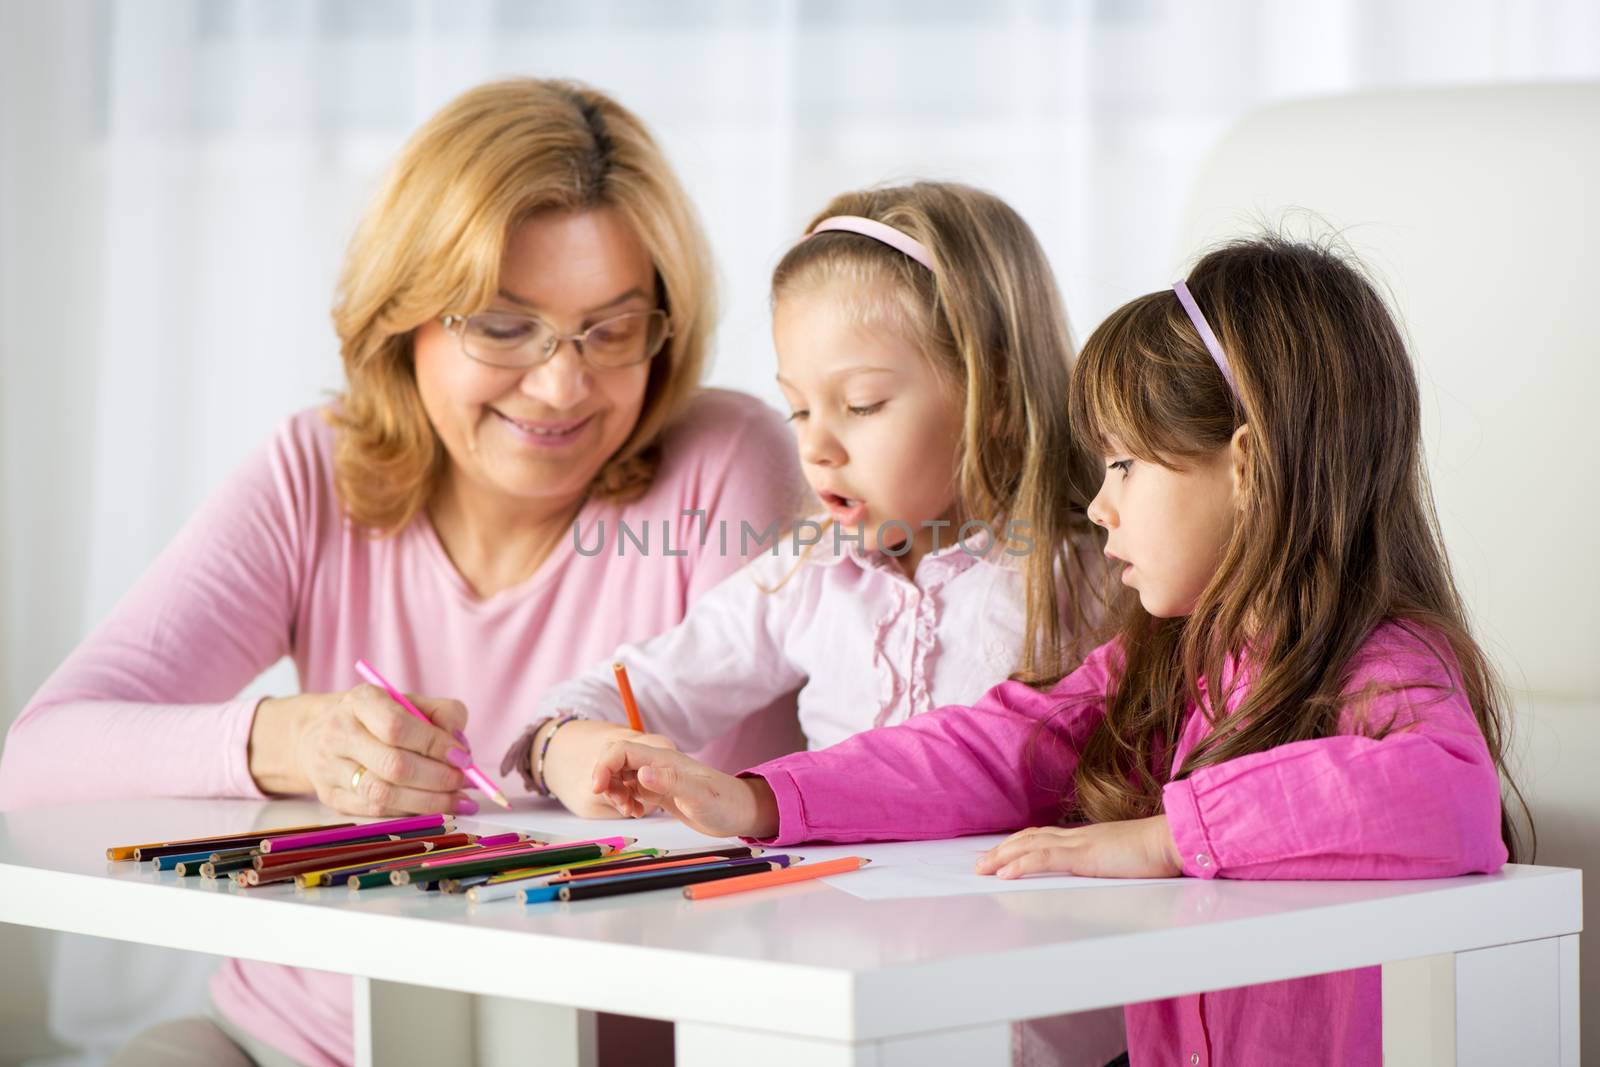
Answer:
(1203, 328)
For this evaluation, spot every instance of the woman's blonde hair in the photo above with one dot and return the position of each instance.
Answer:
(432, 242)
(989, 316)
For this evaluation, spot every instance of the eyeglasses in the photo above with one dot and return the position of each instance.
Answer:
(506, 339)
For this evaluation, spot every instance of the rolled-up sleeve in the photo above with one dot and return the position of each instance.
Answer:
(1004, 763)
(1417, 799)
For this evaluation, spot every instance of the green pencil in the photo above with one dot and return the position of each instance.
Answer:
(419, 875)
(519, 874)
(384, 876)
(368, 880)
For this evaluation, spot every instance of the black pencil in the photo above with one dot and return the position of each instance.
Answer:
(645, 883)
(737, 852)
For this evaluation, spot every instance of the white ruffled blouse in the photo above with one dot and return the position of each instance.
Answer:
(862, 644)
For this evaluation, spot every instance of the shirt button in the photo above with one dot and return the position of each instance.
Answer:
(1194, 1058)
(1201, 860)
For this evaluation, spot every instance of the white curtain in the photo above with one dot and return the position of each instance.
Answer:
(178, 181)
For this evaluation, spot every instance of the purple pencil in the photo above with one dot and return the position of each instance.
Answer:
(329, 837)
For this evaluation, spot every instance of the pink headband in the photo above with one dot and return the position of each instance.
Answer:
(1203, 328)
(878, 232)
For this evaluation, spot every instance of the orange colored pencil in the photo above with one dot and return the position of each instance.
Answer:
(782, 876)
(629, 705)
(128, 852)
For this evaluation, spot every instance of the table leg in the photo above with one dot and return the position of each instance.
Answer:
(1518, 1003)
(705, 1045)
(405, 1025)
(1419, 1011)
(517, 1033)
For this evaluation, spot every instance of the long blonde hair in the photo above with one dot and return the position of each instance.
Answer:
(1337, 535)
(990, 317)
(432, 241)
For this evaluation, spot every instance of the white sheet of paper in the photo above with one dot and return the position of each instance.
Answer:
(899, 869)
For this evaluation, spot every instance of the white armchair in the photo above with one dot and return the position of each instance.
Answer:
(1475, 207)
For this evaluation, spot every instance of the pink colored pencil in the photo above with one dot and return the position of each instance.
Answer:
(474, 775)
(479, 853)
(485, 853)
(501, 840)
(349, 833)
(611, 842)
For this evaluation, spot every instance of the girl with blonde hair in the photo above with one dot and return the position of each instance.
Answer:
(923, 349)
(924, 352)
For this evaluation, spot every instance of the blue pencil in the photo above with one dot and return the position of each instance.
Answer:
(660, 879)
(166, 863)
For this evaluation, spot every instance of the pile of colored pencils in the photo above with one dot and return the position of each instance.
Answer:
(426, 851)
(326, 854)
(734, 869)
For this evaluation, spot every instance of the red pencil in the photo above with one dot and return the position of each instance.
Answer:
(397, 850)
(195, 844)
(376, 848)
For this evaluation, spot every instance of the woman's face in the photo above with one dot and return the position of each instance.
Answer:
(538, 436)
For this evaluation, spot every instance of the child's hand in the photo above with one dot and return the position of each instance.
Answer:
(635, 778)
(569, 763)
(1135, 848)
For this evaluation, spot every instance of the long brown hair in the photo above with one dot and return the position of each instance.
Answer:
(1336, 534)
(431, 244)
(990, 318)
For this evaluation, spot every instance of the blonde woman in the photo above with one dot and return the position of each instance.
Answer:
(523, 319)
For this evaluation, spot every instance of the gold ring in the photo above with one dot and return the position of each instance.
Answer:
(355, 779)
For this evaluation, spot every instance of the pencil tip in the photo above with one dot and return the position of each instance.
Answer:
(500, 799)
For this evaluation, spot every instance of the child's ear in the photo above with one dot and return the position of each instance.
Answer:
(1239, 460)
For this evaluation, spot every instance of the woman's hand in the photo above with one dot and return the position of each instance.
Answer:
(570, 760)
(634, 778)
(1135, 848)
(316, 742)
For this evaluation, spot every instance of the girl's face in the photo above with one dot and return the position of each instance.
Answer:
(541, 434)
(1168, 527)
(878, 428)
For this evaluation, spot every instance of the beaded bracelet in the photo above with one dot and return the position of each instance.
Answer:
(519, 757)
(538, 766)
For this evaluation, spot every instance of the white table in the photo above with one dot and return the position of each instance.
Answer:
(808, 974)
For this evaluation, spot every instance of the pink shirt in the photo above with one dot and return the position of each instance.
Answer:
(1423, 802)
(269, 567)
(864, 644)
